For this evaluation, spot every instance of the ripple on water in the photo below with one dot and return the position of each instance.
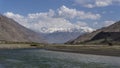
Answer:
(1, 66)
(51, 59)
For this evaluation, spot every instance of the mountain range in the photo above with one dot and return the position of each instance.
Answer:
(11, 30)
(105, 35)
(64, 35)
(61, 37)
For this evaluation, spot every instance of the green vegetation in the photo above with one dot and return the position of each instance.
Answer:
(13, 42)
(16, 45)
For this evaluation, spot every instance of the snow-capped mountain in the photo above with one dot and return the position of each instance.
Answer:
(58, 35)
(53, 30)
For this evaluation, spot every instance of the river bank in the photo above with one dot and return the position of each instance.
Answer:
(82, 49)
(93, 49)
(20, 46)
(14, 46)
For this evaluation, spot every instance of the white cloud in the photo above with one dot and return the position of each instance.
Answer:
(66, 12)
(40, 21)
(82, 24)
(52, 20)
(102, 3)
(97, 3)
(108, 23)
(19, 18)
(73, 13)
(89, 5)
(105, 23)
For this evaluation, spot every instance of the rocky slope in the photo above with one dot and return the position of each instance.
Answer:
(104, 35)
(12, 31)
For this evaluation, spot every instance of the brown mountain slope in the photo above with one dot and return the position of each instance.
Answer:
(111, 33)
(12, 31)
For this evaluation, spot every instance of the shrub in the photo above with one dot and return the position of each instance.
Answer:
(33, 45)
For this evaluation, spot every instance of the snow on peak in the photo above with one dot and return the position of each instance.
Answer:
(52, 30)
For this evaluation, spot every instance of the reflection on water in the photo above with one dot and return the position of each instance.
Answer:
(35, 58)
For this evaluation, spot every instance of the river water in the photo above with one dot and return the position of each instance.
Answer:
(39, 58)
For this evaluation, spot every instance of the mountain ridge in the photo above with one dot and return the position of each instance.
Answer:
(114, 28)
(10, 30)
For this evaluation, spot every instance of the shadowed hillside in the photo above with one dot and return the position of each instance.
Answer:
(110, 34)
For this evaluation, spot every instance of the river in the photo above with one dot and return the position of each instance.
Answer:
(39, 58)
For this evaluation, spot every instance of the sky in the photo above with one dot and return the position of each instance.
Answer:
(41, 15)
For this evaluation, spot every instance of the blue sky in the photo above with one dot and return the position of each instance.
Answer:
(86, 13)
(30, 6)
